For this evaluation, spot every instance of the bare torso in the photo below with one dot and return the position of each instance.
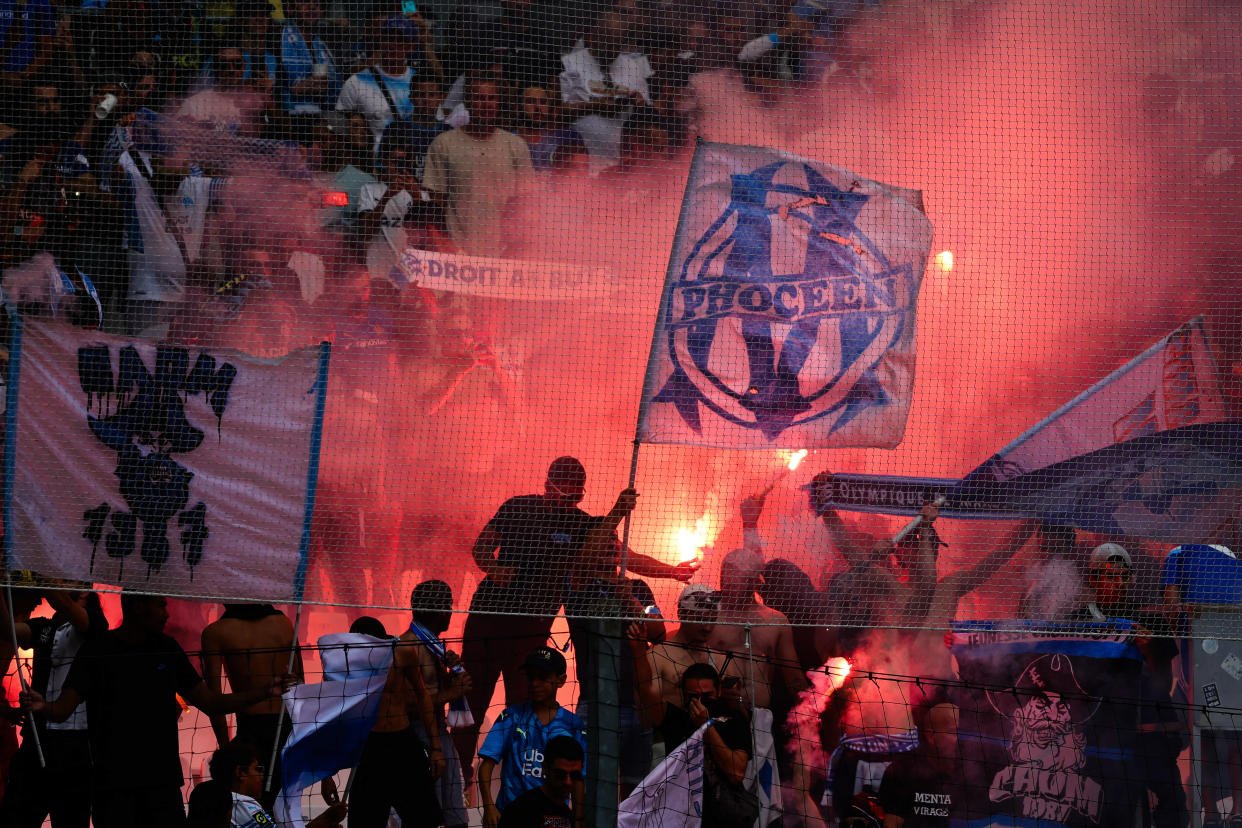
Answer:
(429, 665)
(398, 697)
(767, 636)
(253, 653)
(670, 659)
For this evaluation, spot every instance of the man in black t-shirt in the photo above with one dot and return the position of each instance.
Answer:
(597, 590)
(525, 552)
(62, 789)
(130, 678)
(926, 787)
(544, 807)
(727, 741)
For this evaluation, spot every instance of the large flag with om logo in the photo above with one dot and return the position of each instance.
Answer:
(160, 467)
(789, 307)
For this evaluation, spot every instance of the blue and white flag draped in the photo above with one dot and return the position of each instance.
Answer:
(160, 467)
(1147, 451)
(672, 794)
(332, 718)
(1053, 726)
(762, 774)
(789, 307)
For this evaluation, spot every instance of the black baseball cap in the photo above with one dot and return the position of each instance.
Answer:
(545, 660)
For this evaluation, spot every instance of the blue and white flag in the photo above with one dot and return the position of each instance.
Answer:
(1170, 385)
(332, 718)
(789, 306)
(158, 467)
(1146, 452)
(762, 774)
(672, 794)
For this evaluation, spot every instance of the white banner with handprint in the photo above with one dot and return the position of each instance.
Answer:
(161, 467)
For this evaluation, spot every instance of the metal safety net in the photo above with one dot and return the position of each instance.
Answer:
(872, 363)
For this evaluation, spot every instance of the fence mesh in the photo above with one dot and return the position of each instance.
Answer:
(881, 355)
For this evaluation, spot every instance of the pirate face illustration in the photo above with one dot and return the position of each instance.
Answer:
(1046, 708)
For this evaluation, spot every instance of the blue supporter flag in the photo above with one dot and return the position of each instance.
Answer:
(1049, 714)
(332, 718)
(787, 319)
(1147, 451)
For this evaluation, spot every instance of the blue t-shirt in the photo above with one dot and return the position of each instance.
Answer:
(1204, 575)
(299, 59)
(37, 20)
(517, 741)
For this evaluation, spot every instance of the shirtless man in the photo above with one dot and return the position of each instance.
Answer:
(431, 603)
(696, 610)
(771, 647)
(251, 644)
(398, 770)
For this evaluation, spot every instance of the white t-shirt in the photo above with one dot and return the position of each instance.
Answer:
(214, 108)
(157, 272)
(65, 645)
(583, 80)
(362, 94)
(384, 250)
(188, 212)
(247, 813)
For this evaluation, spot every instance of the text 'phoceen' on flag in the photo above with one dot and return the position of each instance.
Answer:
(789, 307)
(161, 467)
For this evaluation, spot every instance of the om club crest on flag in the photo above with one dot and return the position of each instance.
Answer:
(789, 307)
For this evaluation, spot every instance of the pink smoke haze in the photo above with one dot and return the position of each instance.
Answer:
(1070, 160)
(804, 719)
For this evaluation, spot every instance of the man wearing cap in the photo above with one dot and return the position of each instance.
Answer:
(517, 739)
(1110, 581)
(697, 609)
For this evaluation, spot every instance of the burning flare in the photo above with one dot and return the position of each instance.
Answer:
(945, 259)
(690, 542)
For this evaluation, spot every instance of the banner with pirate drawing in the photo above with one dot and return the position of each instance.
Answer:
(1052, 711)
(160, 467)
(788, 313)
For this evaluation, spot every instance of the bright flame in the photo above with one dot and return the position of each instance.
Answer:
(945, 259)
(691, 541)
(796, 458)
(837, 669)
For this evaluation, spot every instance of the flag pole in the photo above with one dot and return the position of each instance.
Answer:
(34, 728)
(280, 716)
(308, 513)
(649, 378)
(10, 467)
